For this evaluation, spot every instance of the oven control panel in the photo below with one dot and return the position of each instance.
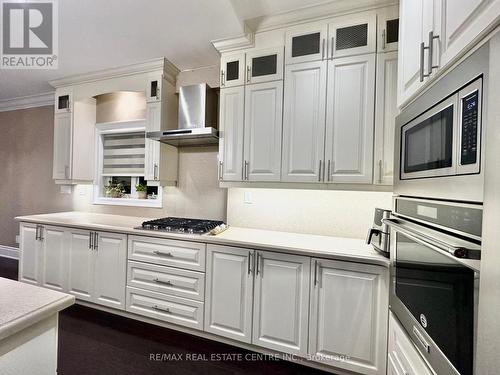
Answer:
(468, 148)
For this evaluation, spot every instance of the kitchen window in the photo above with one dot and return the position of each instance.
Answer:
(120, 166)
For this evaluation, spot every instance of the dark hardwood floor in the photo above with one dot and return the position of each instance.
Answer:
(92, 342)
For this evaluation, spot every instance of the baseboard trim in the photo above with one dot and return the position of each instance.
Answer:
(9, 252)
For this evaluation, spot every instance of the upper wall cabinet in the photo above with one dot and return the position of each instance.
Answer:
(352, 35)
(264, 65)
(306, 43)
(232, 71)
(349, 119)
(463, 22)
(154, 89)
(64, 100)
(388, 29)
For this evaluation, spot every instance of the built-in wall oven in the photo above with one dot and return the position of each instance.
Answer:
(435, 252)
(439, 136)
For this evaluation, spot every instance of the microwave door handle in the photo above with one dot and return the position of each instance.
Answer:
(371, 232)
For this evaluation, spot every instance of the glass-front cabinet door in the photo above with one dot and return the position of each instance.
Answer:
(388, 29)
(232, 71)
(306, 43)
(63, 100)
(154, 89)
(352, 35)
(264, 65)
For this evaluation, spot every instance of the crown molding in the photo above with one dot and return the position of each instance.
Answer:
(30, 101)
(316, 12)
(168, 69)
(245, 40)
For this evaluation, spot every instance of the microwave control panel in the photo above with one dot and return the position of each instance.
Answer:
(470, 128)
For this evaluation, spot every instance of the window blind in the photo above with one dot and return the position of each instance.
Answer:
(123, 154)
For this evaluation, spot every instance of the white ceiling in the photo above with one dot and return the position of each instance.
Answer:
(97, 34)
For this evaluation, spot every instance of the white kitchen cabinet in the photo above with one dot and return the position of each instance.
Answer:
(264, 65)
(349, 119)
(417, 20)
(161, 160)
(232, 71)
(53, 258)
(74, 143)
(30, 248)
(352, 34)
(80, 264)
(231, 129)
(463, 22)
(97, 267)
(403, 357)
(263, 131)
(385, 116)
(63, 100)
(281, 295)
(110, 264)
(304, 121)
(388, 29)
(229, 292)
(306, 43)
(154, 88)
(63, 129)
(348, 322)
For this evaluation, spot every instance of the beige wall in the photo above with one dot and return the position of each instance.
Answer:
(197, 194)
(26, 139)
(335, 213)
(121, 106)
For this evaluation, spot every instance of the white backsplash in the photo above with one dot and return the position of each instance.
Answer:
(335, 213)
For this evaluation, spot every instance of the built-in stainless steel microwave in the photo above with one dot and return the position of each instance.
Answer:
(439, 136)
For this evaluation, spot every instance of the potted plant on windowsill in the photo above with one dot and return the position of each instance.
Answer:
(114, 190)
(141, 191)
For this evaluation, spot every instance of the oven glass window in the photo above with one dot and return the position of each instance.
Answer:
(429, 144)
(439, 293)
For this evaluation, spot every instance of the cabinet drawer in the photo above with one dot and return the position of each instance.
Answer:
(182, 254)
(168, 280)
(169, 309)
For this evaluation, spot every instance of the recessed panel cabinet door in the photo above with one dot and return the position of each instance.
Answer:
(385, 116)
(281, 298)
(54, 251)
(348, 323)
(80, 264)
(304, 121)
(110, 269)
(63, 128)
(232, 112)
(263, 130)
(350, 119)
(229, 292)
(30, 256)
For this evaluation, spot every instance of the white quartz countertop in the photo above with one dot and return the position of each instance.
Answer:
(22, 305)
(339, 248)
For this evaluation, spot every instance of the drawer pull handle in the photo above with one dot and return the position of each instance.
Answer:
(162, 309)
(162, 253)
(166, 282)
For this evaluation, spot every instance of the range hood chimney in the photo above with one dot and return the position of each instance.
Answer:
(197, 118)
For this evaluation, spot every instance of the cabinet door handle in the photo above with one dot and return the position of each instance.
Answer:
(383, 39)
(91, 239)
(315, 272)
(257, 264)
(222, 78)
(37, 228)
(323, 50)
(333, 48)
(162, 309)
(249, 73)
(96, 241)
(431, 52)
(319, 170)
(40, 236)
(155, 171)
(250, 258)
(157, 252)
(221, 170)
(245, 177)
(422, 59)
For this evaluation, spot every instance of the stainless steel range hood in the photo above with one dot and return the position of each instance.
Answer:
(197, 118)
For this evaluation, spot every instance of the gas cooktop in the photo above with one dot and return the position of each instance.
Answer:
(183, 225)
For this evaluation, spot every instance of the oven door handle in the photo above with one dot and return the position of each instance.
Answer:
(450, 250)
